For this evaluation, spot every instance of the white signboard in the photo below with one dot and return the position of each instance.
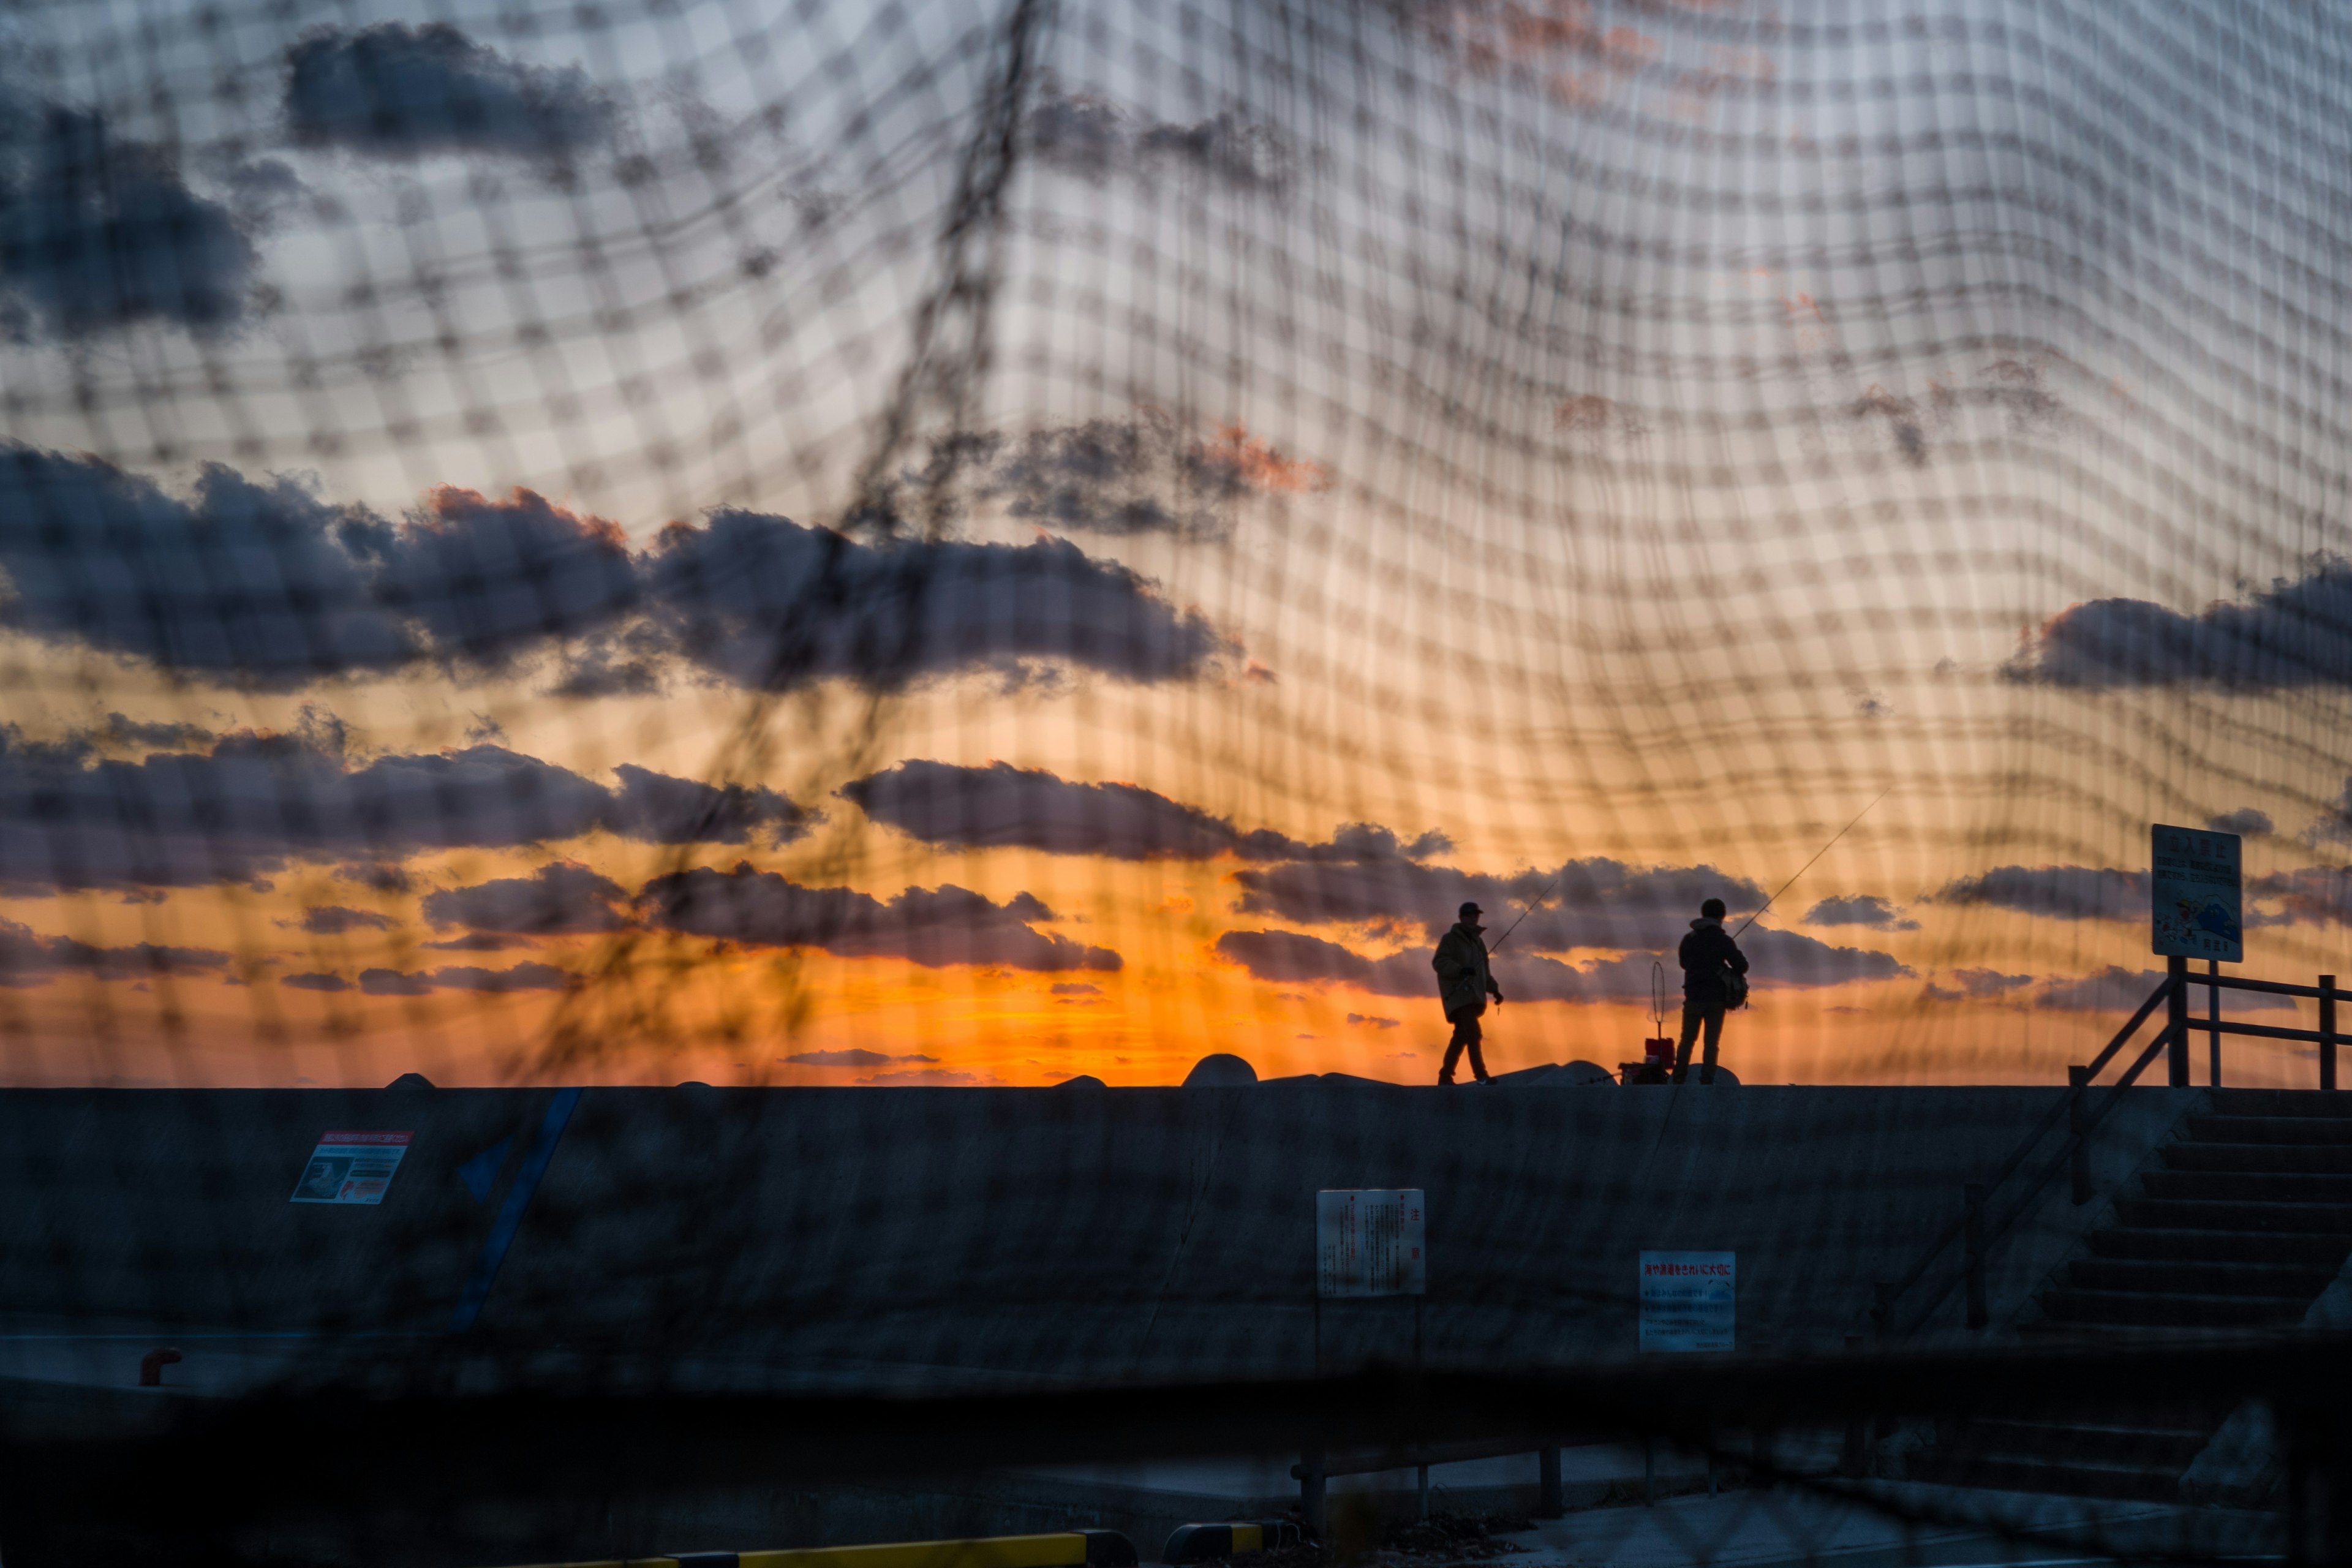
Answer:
(1370, 1242)
(2196, 904)
(350, 1168)
(1689, 1300)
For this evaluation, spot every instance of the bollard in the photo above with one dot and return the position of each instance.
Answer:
(2078, 1117)
(1978, 1315)
(1547, 1494)
(2327, 1031)
(1424, 1494)
(1310, 1492)
(1649, 1471)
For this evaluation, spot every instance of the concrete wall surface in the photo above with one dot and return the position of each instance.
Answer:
(958, 1238)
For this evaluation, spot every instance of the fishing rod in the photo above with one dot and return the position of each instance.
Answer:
(1532, 903)
(1808, 865)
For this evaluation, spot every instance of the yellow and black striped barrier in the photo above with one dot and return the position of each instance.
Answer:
(1062, 1548)
(1202, 1542)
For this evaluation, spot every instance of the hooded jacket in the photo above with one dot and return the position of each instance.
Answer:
(1707, 952)
(1463, 981)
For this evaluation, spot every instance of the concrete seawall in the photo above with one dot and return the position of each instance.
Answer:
(953, 1238)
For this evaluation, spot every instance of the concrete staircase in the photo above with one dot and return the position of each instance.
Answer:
(2238, 1223)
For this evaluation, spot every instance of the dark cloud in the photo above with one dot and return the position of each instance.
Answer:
(1073, 988)
(378, 876)
(254, 802)
(1780, 958)
(27, 958)
(2293, 634)
(763, 603)
(850, 1057)
(521, 977)
(1093, 140)
(1866, 910)
(267, 586)
(2310, 895)
(98, 233)
(263, 189)
(660, 809)
(1370, 1021)
(242, 581)
(161, 736)
(478, 942)
(461, 977)
(1989, 982)
(1595, 903)
(1141, 475)
(1002, 806)
(562, 897)
(334, 920)
(936, 928)
(2115, 989)
(396, 91)
(481, 578)
(2245, 821)
(2055, 892)
(315, 983)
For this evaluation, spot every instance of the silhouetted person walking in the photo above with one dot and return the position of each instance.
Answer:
(1708, 955)
(1463, 983)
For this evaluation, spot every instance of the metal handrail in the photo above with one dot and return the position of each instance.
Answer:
(1883, 1310)
(2083, 1122)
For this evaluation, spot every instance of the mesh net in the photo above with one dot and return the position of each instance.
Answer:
(938, 546)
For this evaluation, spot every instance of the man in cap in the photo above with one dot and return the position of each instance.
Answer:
(1463, 983)
(1710, 959)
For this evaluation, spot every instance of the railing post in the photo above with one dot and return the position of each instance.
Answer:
(1310, 1492)
(2078, 1115)
(2213, 1023)
(2327, 1031)
(1548, 1504)
(1978, 1316)
(2176, 1021)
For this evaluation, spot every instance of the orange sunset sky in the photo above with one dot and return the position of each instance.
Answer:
(484, 596)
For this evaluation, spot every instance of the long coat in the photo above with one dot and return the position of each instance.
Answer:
(1463, 980)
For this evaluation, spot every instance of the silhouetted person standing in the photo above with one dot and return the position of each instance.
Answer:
(1463, 983)
(1708, 955)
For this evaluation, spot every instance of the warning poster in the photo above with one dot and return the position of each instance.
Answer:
(351, 1167)
(1689, 1300)
(2196, 893)
(1370, 1242)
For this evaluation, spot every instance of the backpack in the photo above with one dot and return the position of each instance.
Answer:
(1735, 990)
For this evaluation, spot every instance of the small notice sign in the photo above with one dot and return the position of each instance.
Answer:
(1689, 1300)
(1370, 1242)
(2196, 898)
(351, 1167)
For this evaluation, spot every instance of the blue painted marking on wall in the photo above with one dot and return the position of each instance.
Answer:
(481, 1173)
(510, 1220)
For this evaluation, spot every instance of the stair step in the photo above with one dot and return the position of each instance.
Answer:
(2317, 1159)
(2207, 1129)
(2201, 1214)
(2186, 1245)
(2251, 1187)
(2280, 1102)
(2042, 1475)
(2168, 1276)
(2149, 1308)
